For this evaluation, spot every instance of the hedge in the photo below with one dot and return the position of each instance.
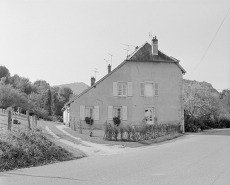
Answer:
(139, 132)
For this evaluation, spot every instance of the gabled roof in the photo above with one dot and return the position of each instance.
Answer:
(143, 53)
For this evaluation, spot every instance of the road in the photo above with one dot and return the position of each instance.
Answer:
(189, 160)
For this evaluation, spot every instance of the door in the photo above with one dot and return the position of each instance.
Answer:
(149, 115)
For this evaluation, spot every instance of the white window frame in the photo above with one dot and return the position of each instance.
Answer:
(122, 84)
(123, 112)
(87, 111)
(115, 109)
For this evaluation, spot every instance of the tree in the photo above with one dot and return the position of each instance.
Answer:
(9, 98)
(199, 102)
(225, 98)
(48, 102)
(4, 72)
(64, 94)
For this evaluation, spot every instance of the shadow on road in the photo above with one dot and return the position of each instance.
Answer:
(50, 177)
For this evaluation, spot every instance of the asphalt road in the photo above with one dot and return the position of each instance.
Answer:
(192, 159)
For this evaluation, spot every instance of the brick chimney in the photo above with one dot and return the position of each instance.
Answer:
(109, 68)
(155, 46)
(92, 81)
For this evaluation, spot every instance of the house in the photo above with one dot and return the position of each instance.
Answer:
(147, 85)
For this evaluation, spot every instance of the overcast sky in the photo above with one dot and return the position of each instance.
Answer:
(63, 41)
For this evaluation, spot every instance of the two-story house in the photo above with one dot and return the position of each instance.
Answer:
(147, 85)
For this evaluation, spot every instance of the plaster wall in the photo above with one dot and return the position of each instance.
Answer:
(167, 106)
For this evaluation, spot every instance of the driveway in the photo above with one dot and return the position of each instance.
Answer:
(190, 160)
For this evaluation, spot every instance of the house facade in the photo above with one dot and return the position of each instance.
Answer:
(147, 85)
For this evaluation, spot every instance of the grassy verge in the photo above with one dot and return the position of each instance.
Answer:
(22, 148)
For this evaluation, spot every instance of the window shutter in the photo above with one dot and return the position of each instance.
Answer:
(124, 113)
(114, 88)
(96, 112)
(130, 89)
(142, 85)
(156, 89)
(82, 112)
(110, 113)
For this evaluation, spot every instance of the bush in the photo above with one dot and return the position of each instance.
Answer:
(116, 121)
(89, 120)
(22, 148)
(139, 132)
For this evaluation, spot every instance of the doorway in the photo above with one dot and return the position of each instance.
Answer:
(149, 115)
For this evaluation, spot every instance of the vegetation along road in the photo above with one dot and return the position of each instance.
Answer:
(191, 159)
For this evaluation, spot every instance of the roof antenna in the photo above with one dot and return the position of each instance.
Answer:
(150, 35)
(111, 58)
(106, 62)
(128, 45)
(95, 70)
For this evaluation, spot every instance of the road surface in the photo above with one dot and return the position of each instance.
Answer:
(189, 160)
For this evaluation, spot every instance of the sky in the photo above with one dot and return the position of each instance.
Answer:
(63, 41)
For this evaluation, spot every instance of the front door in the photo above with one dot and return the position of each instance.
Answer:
(149, 116)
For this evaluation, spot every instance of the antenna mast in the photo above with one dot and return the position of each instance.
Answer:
(128, 48)
(95, 70)
(111, 58)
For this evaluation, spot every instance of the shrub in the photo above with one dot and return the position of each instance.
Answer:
(139, 132)
(89, 120)
(116, 121)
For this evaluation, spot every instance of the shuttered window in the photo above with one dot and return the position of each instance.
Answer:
(117, 111)
(149, 89)
(122, 89)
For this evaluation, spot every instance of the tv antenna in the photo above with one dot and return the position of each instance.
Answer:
(95, 70)
(111, 58)
(128, 45)
(150, 35)
(106, 61)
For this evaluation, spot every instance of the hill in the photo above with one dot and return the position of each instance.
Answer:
(76, 87)
(202, 86)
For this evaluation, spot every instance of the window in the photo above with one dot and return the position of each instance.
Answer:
(149, 89)
(117, 112)
(89, 112)
(122, 89)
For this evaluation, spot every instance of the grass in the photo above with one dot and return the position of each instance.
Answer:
(21, 147)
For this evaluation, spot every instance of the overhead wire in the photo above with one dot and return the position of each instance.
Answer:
(210, 43)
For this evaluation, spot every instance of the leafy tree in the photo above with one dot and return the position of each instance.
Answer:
(4, 72)
(48, 102)
(65, 94)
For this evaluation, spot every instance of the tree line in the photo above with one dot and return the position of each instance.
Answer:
(38, 98)
(204, 107)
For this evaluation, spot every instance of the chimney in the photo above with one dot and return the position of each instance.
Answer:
(155, 46)
(92, 81)
(109, 68)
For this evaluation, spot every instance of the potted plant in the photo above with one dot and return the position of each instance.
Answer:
(117, 121)
(89, 121)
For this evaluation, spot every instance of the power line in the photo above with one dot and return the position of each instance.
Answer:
(210, 43)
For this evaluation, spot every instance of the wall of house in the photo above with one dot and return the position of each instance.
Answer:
(168, 105)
